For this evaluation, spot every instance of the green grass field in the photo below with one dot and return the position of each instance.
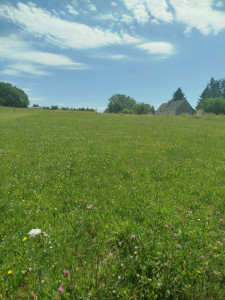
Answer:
(132, 206)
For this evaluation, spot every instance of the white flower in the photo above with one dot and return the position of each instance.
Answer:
(34, 232)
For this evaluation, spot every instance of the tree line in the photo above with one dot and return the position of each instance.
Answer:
(211, 100)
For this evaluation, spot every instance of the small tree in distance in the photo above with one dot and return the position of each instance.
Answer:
(178, 95)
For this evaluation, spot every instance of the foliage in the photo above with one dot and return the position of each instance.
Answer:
(54, 107)
(214, 105)
(214, 89)
(12, 96)
(143, 109)
(127, 105)
(36, 105)
(129, 208)
(118, 102)
(178, 95)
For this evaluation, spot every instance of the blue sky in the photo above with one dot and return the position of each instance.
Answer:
(78, 53)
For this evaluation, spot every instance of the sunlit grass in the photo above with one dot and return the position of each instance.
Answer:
(132, 206)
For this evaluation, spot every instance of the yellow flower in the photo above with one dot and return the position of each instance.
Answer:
(24, 239)
(10, 272)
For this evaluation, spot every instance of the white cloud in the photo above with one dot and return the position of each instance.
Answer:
(117, 56)
(92, 7)
(219, 4)
(144, 9)
(162, 48)
(113, 4)
(106, 17)
(72, 11)
(21, 57)
(200, 15)
(60, 32)
(197, 14)
(126, 19)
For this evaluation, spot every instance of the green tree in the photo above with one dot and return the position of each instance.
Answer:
(214, 105)
(12, 96)
(119, 102)
(214, 89)
(143, 108)
(178, 95)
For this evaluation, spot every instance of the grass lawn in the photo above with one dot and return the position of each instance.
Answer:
(131, 207)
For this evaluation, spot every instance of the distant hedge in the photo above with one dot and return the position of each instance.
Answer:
(12, 96)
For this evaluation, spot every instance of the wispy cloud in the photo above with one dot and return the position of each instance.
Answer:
(192, 13)
(144, 9)
(199, 15)
(62, 33)
(21, 57)
(162, 48)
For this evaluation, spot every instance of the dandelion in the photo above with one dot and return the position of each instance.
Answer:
(34, 232)
(60, 290)
(24, 239)
(90, 206)
(10, 272)
(202, 257)
(221, 220)
(67, 273)
(178, 246)
(133, 237)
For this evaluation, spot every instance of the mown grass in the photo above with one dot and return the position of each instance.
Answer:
(157, 178)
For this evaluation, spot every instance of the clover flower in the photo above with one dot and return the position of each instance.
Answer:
(60, 290)
(90, 206)
(133, 237)
(178, 246)
(67, 273)
(165, 265)
(34, 232)
(218, 213)
(221, 220)
(202, 257)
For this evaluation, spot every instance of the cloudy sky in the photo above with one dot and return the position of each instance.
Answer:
(79, 53)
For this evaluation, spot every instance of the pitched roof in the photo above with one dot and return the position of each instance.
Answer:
(171, 105)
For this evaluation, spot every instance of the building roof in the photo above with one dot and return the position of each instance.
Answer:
(171, 105)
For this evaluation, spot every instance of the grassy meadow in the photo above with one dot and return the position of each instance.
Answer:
(129, 207)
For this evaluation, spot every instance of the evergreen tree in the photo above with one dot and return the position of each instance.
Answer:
(178, 95)
(214, 89)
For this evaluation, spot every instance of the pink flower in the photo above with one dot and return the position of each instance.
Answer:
(165, 265)
(166, 226)
(221, 220)
(202, 257)
(178, 246)
(90, 206)
(68, 167)
(218, 213)
(175, 235)
(67, 273)
(133, 237)
(191, 232)
(60, 290)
